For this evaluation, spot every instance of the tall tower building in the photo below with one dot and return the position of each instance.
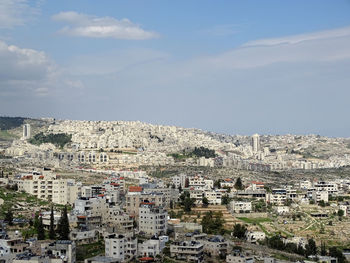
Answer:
(26, 131)
(256, 143)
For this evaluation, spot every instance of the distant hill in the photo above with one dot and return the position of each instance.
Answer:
(8, 123)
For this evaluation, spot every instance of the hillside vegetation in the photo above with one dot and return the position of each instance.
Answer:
(7, 123)
(60, 139)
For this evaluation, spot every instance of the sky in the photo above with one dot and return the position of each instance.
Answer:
(233, 67)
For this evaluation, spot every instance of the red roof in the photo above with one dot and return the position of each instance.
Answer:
(147, 203)
(255, 182)
(101, 195)
(146, 259)
(135, 189)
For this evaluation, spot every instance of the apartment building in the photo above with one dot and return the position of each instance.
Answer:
(152, 247)
(215, 246)
(318, 196)
(237, 258)
(277, 197)
(213, 196)
(330, 187)
(169, 194)
(49, 187)
(152, 219)
(117, 218)
(254, 236)
(199, 182)
(179, 180)
(136, 196)
(63, 249)
(190, 251)
(121, 247)
(240, 206)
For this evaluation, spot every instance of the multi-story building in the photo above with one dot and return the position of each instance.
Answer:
(237, 258)
(256, 143)
(170, 194)
(191, 251)
(216, 246)
(119, 220)
(213, 196)
(122, 247)
(330, 187)
(152, 247)
(179, 180)
(12, 246)
(26, 131)
(152, 219)
(240, 206)
(318, 196)
(199, 182)
(62, 249)
(84, 236)
(305, 184)
(49, 187)
(136, 196)
(277, 197)
(254, 236)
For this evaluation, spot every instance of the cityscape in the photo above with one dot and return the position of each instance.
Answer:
(174, 131)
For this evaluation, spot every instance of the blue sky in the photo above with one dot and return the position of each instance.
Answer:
(235, 67)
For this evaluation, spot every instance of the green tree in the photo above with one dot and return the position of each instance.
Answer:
(238, 184)
(239, 231)
(340, 212)
(52, 233)
(337, 253)
(322, 203)
(225, 200)
(188, 204)
(36, 220)
(63, 226)
(311, 248)
(276, 242)
(259, 206)
(217, 183)
(213, 223)
(40, 229)
(205, 202)
(9, 217)
(323, 249)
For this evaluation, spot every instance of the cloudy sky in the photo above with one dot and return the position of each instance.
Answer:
(234, 67)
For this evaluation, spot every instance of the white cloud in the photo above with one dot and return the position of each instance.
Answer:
(295, 39)
(30, 72)
(83, 25)
(17, 12)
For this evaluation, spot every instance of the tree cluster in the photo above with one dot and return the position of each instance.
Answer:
(213, 223)
(225, 200)
(203, 152)
(186, 201)
(59, 139)
(238, 184)
(276, 242)
(7, 123)
(239, 231)
(60, 233)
